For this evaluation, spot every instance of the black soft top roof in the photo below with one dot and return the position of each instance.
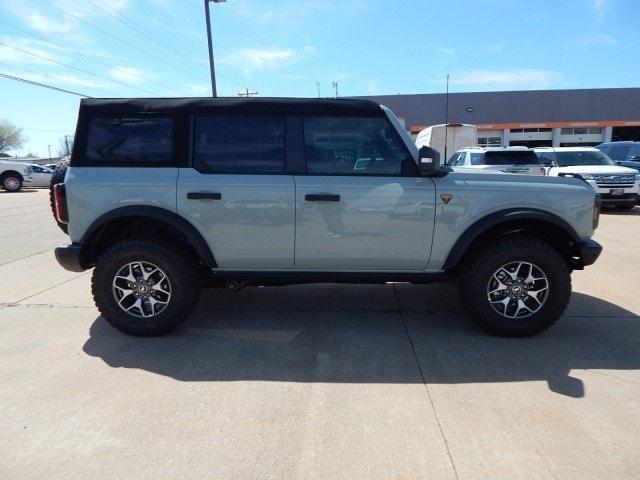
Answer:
(292, 106)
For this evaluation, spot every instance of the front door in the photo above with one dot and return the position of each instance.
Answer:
(237, 194)
(358, 208)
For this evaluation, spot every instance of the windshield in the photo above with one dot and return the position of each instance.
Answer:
(589, 157)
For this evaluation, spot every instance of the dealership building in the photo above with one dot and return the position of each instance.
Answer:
(534, 118)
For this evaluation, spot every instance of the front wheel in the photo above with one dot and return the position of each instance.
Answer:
(12, 183)
(515, 286)
(145, 287)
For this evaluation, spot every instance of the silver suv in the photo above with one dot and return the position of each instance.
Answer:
(164, 196)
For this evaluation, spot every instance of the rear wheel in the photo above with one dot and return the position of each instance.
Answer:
(11, 182)
(145, 287)
(515, 286)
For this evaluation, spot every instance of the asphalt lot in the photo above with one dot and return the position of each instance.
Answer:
(313, 381)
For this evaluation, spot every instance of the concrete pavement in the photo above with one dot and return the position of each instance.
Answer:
(324, 381)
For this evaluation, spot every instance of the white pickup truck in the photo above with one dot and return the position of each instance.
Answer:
(13, 175)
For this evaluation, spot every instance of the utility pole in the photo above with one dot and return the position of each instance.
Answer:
(318, 85)
(49, 146)
(335, 86)
(446, 120)
(67, 150)
(214, 92)
(247, 93)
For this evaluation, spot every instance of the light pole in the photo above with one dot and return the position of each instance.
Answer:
(49, 147)
(214, 92)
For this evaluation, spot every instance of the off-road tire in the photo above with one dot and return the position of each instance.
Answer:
(178, 264)
(487, 258)
(58, 177)
(9, 180)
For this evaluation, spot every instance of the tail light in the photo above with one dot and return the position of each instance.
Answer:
(60, 203)
(543, 171)
(597, 204)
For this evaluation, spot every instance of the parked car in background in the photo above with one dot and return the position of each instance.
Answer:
(14, 175)
(51, 166)
(448, 138)
(617, 185)
(625, 154)
(41, 176)
(520, 160)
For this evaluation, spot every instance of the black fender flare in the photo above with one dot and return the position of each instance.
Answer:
(193, 236)
(503, 216)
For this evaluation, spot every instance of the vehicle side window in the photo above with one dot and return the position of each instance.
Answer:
(239, 144)
(135, 139)
(619, 152)
(37, 169)
(546, 157)
(454, 160)
(477, 158)
(352, 146)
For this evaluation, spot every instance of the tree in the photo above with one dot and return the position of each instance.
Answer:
(11, 136)
(65, 146)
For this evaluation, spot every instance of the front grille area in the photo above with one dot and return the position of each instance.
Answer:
(615, 181)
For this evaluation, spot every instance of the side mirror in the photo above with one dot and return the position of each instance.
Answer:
(428, 160)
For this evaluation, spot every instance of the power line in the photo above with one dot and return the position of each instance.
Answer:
(119, 39)
(63, 48)
(33, 72)
(79, 69)
(24, 80)
(128, 22)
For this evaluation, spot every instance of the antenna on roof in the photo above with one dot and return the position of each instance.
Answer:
(446, 119)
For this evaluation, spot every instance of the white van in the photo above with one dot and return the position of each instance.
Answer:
(458, 136)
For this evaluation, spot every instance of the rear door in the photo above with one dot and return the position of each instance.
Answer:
(236, 191)
(360, 205)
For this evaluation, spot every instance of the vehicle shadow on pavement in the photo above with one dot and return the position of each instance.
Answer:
(375, 346)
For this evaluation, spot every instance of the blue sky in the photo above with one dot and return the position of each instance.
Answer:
(283, 47)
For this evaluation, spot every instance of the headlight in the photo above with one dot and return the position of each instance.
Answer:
(637, 177)
(586, 176)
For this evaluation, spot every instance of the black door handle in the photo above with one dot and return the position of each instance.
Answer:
(322, 197)
(204, 196)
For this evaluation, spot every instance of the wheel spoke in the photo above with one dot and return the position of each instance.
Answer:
(517, 289)
(145, 281)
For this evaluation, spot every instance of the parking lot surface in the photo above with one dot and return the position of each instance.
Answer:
(328, 381)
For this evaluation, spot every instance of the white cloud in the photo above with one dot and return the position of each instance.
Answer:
(446, 50)
(494, 47)
(596, 39)
(495, 79)
(45, 24)
(251, 58)
(599, 4)
(128, 74)
(199, 89)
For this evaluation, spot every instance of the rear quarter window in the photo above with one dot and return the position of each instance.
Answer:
(130, 140)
